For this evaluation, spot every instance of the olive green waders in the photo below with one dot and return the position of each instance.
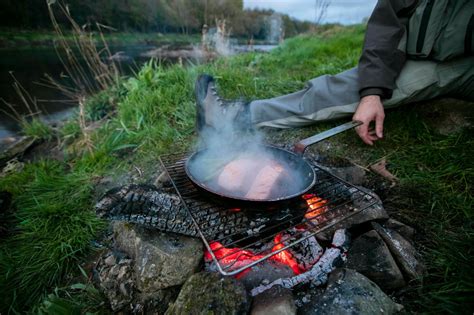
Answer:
(335, 96)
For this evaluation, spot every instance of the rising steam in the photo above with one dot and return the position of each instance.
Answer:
(226, 142)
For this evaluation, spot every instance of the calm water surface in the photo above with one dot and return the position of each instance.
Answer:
(29, 66)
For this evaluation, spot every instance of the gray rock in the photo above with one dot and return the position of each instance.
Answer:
(404, 230)
(371, 213)
(117, 281)
(156, 302)
(275, 301)
(125, 236)
(209, 293)
(264, 272)
(371, 257)
(111, 260)
(161, 179)
(162, 260)
(116, 278)
(352, 173)
(402, 250)
(349, 292)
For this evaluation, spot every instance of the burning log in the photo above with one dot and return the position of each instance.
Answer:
(318, 274)
(306, 253)
(299, 258)
(235, 258)
(147, 206)
(284, 256)
(153, 208)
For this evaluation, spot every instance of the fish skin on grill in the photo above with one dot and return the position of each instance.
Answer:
(147, 206)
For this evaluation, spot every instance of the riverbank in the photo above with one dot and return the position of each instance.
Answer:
(12, 38)
(18, 38)
(53, 230)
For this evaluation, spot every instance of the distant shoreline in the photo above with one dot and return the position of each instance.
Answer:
(27, 39)
(16, 38)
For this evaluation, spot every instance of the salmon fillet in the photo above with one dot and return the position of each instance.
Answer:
(236, 174)
(265, 180)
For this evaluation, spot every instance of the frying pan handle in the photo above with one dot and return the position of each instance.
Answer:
(301, 146)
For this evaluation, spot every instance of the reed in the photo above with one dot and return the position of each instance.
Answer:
(81, 58)
(89, 68)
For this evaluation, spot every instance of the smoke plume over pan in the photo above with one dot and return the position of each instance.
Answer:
(226, 145)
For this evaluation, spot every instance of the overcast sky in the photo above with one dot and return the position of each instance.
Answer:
(339, 11)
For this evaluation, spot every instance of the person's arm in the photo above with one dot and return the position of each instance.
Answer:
(382, 59)
(380, 63)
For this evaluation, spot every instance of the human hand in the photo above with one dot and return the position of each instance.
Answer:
(370, 109)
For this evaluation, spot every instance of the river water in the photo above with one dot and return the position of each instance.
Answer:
(29, 66)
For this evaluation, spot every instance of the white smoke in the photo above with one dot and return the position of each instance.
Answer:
(217, 40)
(226, 142)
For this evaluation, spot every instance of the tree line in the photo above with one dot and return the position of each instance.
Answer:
(165, 16)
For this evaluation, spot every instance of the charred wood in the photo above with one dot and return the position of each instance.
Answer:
(308, 252)
(157, 208)
(318, 274)
(147, 206)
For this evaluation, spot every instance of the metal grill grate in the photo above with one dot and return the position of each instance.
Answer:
(221, 226)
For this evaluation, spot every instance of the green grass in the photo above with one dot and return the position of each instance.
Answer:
(435, 196)
(54, 226)
(78, 298)
(153, 113)
(37, 129)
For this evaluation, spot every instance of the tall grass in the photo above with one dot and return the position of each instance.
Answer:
(82, 60)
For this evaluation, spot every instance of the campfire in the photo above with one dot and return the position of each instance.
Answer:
(305, 257)
(239, 238)
(264, 249)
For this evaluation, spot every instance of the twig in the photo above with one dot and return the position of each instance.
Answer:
(15, 116)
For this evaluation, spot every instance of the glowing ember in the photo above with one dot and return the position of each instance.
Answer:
(236, 258)
(284, 257)
(316, 206)
(231, 258)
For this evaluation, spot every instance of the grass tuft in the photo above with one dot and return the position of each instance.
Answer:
(36, 128)
(54, 225)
